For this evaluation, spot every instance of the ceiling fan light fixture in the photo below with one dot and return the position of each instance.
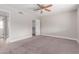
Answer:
(44, 7)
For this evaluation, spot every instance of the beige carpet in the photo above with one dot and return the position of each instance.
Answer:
(42, 45)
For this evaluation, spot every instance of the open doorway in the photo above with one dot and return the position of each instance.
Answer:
(35, 27)
(3, 27)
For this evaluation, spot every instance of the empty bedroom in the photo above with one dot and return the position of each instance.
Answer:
(39, 29)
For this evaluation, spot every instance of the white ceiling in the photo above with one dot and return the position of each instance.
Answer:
(55, 9)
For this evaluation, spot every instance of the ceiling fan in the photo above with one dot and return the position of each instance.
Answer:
(43, 7)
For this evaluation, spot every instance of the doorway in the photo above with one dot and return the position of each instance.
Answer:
(35, 27)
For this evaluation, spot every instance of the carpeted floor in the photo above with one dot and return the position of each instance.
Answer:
(42, 45)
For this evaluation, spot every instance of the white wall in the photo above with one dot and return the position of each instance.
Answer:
(62, 24)
(20, 26)
(78, 23)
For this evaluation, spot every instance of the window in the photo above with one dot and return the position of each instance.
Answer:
(1, 22)
(1, 25)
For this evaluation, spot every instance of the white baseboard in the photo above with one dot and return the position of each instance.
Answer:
(61, 37)
(28, 36)
(18, 38)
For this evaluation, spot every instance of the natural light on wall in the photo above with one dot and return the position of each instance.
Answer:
(1, 24)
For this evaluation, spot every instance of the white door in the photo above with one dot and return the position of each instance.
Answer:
(37, 24)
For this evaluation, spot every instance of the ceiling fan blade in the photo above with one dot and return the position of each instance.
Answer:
(43, 7)
(47, 10)
(48, 6)
(39, 5)
(36, 9)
